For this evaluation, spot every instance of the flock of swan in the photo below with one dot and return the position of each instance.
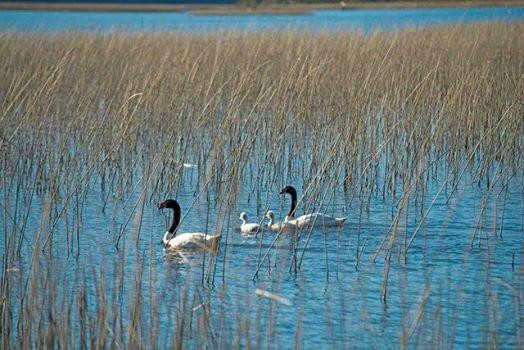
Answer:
(199, 240)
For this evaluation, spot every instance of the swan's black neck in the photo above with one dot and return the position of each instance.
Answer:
(176, 218)
(291, 213)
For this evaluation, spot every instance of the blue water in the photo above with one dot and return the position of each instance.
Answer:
(462, 271)
(331, 20)
(459, 270)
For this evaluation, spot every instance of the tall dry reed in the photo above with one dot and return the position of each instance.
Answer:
(341, 113)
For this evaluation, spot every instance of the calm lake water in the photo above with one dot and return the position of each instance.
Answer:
(455, 289)
(351, 19)
(458, 268)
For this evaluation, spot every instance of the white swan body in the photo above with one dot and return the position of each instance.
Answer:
(316, 220)
(191, 241)
(308, 220)
(185, 241)
(246, 227)
(284, 226)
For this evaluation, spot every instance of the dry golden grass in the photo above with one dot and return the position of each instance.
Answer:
(114, 103)
(362, 112)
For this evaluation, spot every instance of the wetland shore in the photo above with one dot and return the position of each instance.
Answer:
(241, 9)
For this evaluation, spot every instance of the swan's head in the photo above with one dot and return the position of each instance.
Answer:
(290, 190)
(243, 216)
(270, 215)
(169, 204)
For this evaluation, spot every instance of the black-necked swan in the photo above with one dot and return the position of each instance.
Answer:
(308, 220)
(245, 227)
(185, 241)
(284, 226)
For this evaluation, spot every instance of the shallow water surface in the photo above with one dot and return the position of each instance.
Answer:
(457, 275)
(424, 159)
(329, 20)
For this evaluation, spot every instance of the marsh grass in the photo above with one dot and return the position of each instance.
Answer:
(341, 114)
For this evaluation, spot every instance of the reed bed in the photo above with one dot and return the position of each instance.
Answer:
(343, 115)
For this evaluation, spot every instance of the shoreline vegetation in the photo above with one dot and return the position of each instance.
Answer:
(250, 8)
(104, 118)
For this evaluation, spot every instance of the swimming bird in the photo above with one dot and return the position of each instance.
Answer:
(185, 241)
(284, 226)
(308, 220)
(246, 227)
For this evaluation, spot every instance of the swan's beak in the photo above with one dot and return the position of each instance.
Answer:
(282, 191)
(162, 206)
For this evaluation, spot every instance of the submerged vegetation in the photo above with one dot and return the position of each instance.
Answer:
(411, 117)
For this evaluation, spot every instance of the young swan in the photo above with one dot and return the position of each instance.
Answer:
(185, 241)
(246, 227)
(308, 220)
(284, 226)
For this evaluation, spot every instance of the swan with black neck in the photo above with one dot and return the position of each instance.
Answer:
(185, 241)
(308, 220)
